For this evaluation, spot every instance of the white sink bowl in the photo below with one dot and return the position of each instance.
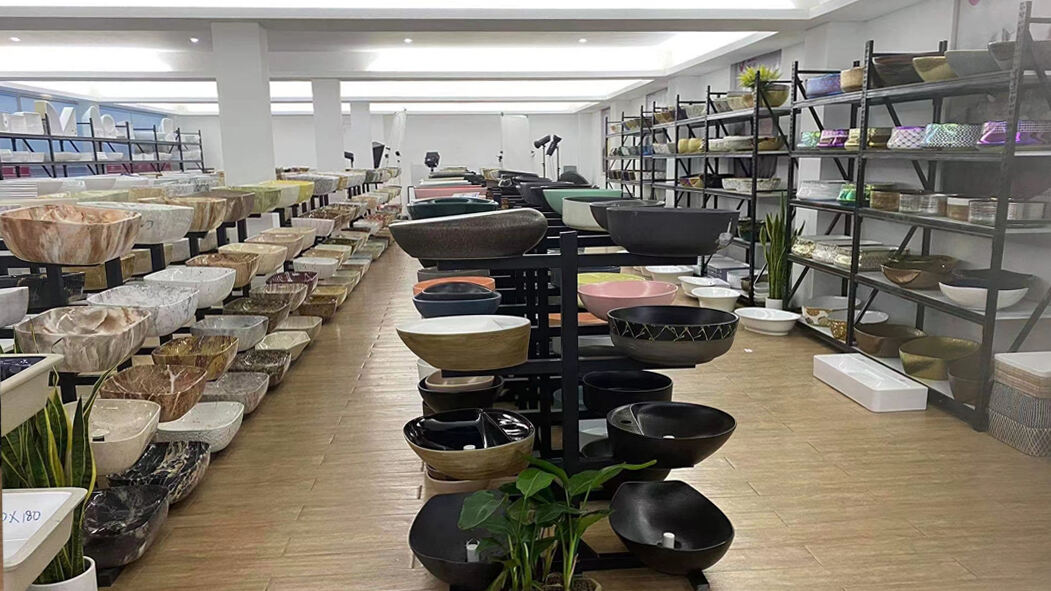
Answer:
(215, 423)
(321, 226)
(120, 430)
(30, 544)
(23, 394)
(668, 273)
(245, 387)
(213, 284)
(691, 282)
(768, 321)
(247, 329)
(293, 341)
(169, 307)
(718, 298)
(160, 222)
(324, 267)
(308, 324)
(14, 302)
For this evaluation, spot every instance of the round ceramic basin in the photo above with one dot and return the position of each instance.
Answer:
(675, 434)
(121, 523)
(449, 307)
(577, 214)
(472, 444)
(169, 307)
(442, 206)
(494, 234)
(247, 329)
(449, 398)
(210, 353)
(555, 196)
(271, 256)
(175, 388)
(487, 282)
(440, 545)
(90, 338)
(600, 298)
(599, 208)
(214, 423)
(606, 390)
(69, 234)
(767, 321)
(213, 284)
(468, 343)
(179, 467)
(455, 291)
(716, 298)
(672, 335)
(659, 231)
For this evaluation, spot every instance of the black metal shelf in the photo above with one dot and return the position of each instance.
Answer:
(824, 267)
(948, 224)
(986, 155)
(830, 205)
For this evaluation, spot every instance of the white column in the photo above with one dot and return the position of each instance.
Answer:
(328, 125)
(361, 134)
(242, 75)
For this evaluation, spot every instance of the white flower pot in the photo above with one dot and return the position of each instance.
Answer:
(85, 581)
(776, 304)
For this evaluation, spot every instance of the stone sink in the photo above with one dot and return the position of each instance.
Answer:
(247, 388)
(179, 467)
(215, 423)
(160, 222)
(90, 338)
(69, 234)
(169, 307)
(174, 388)
(213, 284)
(121, 523)
(247, 329)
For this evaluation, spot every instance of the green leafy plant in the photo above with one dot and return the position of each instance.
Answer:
(753, 76)
(776, 240)
(543, 510)
(53, 449)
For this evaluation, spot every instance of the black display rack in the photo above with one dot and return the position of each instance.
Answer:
(853, 167)
(630, 172)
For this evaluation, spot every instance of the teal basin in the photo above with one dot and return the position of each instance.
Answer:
(554, 197)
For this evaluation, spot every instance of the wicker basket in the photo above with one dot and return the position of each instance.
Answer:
(1025, 372)
(1028, 440)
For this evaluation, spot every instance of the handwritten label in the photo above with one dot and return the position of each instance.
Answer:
(22, 517)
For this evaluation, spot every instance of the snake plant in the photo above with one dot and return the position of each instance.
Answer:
(776, 240)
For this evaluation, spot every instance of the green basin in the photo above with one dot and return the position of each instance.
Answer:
(554, 197)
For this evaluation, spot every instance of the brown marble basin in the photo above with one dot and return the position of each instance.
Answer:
(293, 243)
(271, 362)
(176, 388)
(238, 203)
(211, 353)
(245, 264)
(307, 278)
(69, 234)
(90, 338)
(274, 310)
(292, 294)
(322, 306)
(338, 291)
(208, 212)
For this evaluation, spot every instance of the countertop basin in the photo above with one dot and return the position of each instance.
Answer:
(292, 294)
(501, 233)
(443, 399)
(308, 324)
(672, 335)
(307, 278)
(215, 423)
(120, 430)
(177, 466)
(160, 222)
(659, 231)
(285, 340)
(122, 522)
(243, 264)
(69, 234)
(600, 298)
(169, 307)
(468, 343)
(440, 545)
(29, 545)
(247, 329)
(213, 284)
(472, 444)
(606, 390)
(90, 338)
(676, 434)
(275, 311)
(175, 388)
(210, 353)
(273, 363)
(271, 256)
(23, 387)
(246, 388)
(14, 303)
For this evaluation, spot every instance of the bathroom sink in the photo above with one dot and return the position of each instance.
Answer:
(215, 423)
(169, 307)
(90, 338)
(286, 340)
(675, 434)
(175, 388)
(273, 363)
(247, 329)
(23, 387)
(472, 444)
(213, 284)
(271, 256)
(247, 388)
(292, 294)
(122, 522)
(244, 264)
(179, 467)
(440, 545)
(308, 324)
(14, 303)
(214, 354)
(120, 430)
(30, 544)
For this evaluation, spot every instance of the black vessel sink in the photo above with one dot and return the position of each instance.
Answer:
(443, 400)
(599, 208)
(606, 390)
(643, 512)
(440, 545)
(472, 444)
(676, 434)
(122, 522)
(661, 231)
(178, 466)
(602, 450)
(455, 291)
(672, 335)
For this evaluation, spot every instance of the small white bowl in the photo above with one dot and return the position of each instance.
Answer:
(668, 273)
(768, 321)
(690, 283)
(974, 297)
(718, 298)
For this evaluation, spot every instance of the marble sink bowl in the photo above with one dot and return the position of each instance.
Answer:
(307, 234)
(160, 222)
(600, 298)
(174, 388)
(119, 429)
(272, 363)
(14, 303)
(472, 444)
(441, 399)
(23, 387)
(215, 423)
(502, 233)
(600, 449)
(307, 278)
(69, 234)
(289, 194)
(324, 253)
(246, 388)
(348, 279)
(243, 264)
(275, 311)
(29, 545)
(271, 256)
(247, 329)
(308, 324)
(440, 545)
(95, 275)
(321, 306)
(292, 294)
(213, 284)
(214, 354)
(208, 212)
(121, 523)
(342, 250)
(606, 390)
(468, 343)
(169, 307)
(265, 198)
(676, 434)
(292, 242)
(324, 267)
(645, 513)
(321, 226)
(90, 338)
(39, 295)
(178, 466)
(238, 203)
(348, 238)
(672, 335)
(338, 292)
(660, 231)
(286, 340)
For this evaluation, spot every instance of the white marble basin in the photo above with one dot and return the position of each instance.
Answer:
(215, 423)
(23, 387)
(120, 430)
(160, 222)
(30, 544)
(14, 302)
(169, 307)
(324, 267)
(271, 256)
(245, 387)
(293, 341)
(180, 249)
(213, 284)
(90, 338)
(247, 329)
(322, 226)
(311, 325)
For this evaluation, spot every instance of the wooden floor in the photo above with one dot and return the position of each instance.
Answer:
(319, 489)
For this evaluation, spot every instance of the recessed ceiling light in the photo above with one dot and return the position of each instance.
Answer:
(408, 40)
(16, 39)
(582, 40)
(194, 40)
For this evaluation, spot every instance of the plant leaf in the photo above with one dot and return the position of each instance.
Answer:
(477, 508)
(532, 481)
(548, 513)
(547, 466)
(581, 524)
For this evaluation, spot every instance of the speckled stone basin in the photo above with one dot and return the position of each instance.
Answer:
(215, 423)
(178, 467)
(69, 234)
(273, 363)
(169, 307)
(213, 284)
(503, 233)
(175, 388)
(337, 291)
(91, 338)
(238, 203)
(347, 279)
(322, 306)
(323, 266)
(293, 243)
(122, 522)
(271, 256)
(307, 278)
(212, 353)
(245, 387)
(160, 223)
(292, 294)
(274, 310)
(244, 264)
(208, 212)
(247, 329)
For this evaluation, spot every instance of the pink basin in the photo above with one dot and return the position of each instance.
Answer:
(432, 192)
(600, 298)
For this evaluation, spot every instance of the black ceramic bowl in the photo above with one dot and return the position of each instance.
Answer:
(985, 278)
(122, 522)
(644, 511)
(662, 231)
(431, 208)
(427, 273)
(472, 444)
(455, 291)
(672, 335)
(603, 450)
(676, 434)
(440, 545)
(606, 390)
(178, 466)
(598, 208)
(533, 192)
(436, 308)
(443, 400)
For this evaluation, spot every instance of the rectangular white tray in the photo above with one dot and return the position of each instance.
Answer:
(870, 383)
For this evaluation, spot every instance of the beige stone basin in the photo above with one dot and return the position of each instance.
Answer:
(69, 234)
(245, 264)
(271, 256)
(90, 338)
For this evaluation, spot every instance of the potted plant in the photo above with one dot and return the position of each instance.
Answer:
(761, 79)
(53, 449)
(531, 518)
(776, 240)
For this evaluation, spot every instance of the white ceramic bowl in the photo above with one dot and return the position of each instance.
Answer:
(974, 297)
(120, 431)
(29, 545)
(293, 341)
(169, 307)
(718, 298)
(768, 321)
(668, 273)
(691, 282)
(215, 423)
(324, 267)
(213, 284)
(308, 324)
(14, 302)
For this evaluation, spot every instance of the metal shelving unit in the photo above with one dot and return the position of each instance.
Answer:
(926, 163)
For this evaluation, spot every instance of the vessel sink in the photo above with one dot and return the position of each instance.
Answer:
(273, 363)
(23, 387)
(336, 291)
(120, 430)
(308, 278)
(30, 544)
(292, 242)
(238, 203)
(178, 466)
(215, 423)
(675, 434)
(285, 340)
(472, 444)
(69, 234)
(307, 233)
(247, 388)
(321, 226)
(90, 338)
(213, 284)
(440, 545)
(323, 266)
(14, 303)
(121, 523)
(247, 329)
(271, 256)
(292, 294)
(214, 354)
(308, 324)
(169, 307)
(243, 264)
(274, 310)
(174, 388)
(208, 212)
(160, 222)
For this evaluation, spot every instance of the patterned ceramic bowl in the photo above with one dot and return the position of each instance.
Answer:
(833, 138)
(809, 139)
(951, 136)
(1031, 134)
(824, 85)
(906, 138)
